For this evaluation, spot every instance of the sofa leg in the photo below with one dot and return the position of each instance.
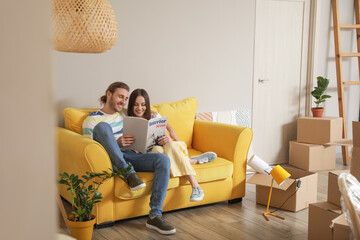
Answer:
(236, 200)
(105, 225)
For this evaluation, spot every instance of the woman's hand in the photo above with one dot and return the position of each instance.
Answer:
(164, 140)
(125, 140)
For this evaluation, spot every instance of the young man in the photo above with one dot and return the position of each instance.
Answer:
(106, 127)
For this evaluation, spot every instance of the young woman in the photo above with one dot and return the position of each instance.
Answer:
(139, 106)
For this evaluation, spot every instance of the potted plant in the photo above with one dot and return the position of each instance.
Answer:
(318, 94)
(84, 196)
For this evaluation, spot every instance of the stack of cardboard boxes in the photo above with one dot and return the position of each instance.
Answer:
(326, 220)
(313, 151)
(307, 155)
(322, 214)
(309, 152)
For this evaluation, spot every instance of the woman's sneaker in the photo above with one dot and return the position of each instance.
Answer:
(134, 182)
(205, 157)
(160, 225)
(197, 194)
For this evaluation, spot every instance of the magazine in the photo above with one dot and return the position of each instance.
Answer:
(146, 132)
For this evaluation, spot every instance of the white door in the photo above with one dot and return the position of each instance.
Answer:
(280, 57)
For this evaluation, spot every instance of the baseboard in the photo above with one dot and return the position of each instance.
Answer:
(105, 225)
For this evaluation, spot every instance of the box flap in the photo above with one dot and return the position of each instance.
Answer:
(342, 142)
(265, 180)
(341, 222)
(328, 207)
(297, 173)
(337, 172)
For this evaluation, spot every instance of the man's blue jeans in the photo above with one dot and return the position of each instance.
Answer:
(149, 162)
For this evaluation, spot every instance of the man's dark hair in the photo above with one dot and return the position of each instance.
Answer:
(112, 88)
(132, 99)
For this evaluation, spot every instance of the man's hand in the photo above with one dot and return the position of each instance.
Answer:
(125, 140)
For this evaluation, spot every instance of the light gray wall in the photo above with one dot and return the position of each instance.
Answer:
(173, 49)
(325, 62)
(27, 149)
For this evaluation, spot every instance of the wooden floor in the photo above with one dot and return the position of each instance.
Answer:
(219, 221)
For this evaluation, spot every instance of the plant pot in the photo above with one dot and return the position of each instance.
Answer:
(81, 230)
(317, 111)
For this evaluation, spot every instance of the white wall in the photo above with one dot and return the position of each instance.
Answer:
(173, 49)
(27, 155)
(325, 63)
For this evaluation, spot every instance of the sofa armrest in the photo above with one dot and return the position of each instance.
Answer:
(227, 141)
(78, 154)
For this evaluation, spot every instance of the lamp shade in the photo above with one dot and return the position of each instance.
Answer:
(279, 174)
(84, 26)
(259, 165)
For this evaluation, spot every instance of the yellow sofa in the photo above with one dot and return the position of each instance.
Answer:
(223, 179)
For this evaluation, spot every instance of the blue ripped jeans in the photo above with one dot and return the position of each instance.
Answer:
(149, 162)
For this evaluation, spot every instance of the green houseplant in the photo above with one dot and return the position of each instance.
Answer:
(318, 94)
(84, 196)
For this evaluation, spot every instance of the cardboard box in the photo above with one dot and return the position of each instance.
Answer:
(319, 130)
(306, 194)
(355, 163)
(356, 134)
(321, 215)
(341, 228)
(333, 187)
(312, 157)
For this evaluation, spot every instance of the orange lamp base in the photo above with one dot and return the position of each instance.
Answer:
(268, 204)
(272, 214)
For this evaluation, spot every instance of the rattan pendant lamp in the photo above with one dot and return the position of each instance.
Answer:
(84, 26)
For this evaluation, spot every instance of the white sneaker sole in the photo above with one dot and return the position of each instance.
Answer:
(197, 199)
(161, 231)
(138, 187)
(204, 158)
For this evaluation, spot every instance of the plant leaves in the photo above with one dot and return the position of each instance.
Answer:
(319, 90)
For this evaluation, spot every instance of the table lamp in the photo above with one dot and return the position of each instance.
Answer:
(259, 165)
(278, 174)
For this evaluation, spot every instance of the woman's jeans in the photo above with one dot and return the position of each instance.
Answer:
(149, 162)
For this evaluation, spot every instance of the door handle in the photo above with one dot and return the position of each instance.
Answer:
(263, 80)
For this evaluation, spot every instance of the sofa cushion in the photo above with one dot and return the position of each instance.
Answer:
(218, 169)
(181, 116)
(74, 118)
(123, 191)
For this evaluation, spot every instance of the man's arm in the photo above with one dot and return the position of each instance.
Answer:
(88, 127)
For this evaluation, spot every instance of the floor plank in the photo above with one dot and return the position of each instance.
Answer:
(218, 221)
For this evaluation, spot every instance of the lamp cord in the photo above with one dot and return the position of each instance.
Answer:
(298, 184)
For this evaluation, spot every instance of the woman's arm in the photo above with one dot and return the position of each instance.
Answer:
(168, 127)
(172, 133)
(166, 139)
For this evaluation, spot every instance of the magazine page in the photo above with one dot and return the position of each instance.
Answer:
(137, 127)
(156, 130)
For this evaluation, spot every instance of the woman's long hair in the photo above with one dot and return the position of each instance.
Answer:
(132, 99)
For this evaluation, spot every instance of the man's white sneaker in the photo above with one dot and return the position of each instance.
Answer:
(134, 182)
(159, 224)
